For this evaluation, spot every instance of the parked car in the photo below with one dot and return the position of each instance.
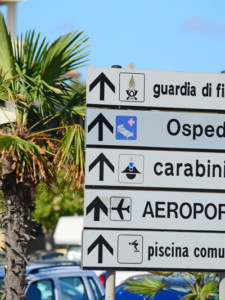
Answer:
(177, 288)
(121, 276)
(175, 292)
(121, 294)
(62, 283)
(47, 255)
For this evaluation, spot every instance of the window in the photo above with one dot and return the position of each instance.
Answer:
(41, 290)
(2, 283)
(95, 289)
(73, 288)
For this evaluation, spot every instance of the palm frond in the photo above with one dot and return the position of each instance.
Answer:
(209, 289)
(27, 157)
(6, 51)
(64, 55)
(162, 273)
(147, 286)
(75, 106)
(5, 91)
(29, 52)
(195, 285)
(43, 100)
(71, 154)
(200, 284)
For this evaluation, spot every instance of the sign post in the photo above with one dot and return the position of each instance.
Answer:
(222, 286)
(155, 171)
(110, 285)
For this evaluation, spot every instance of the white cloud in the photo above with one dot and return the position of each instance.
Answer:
(64, 27)
(198, 24)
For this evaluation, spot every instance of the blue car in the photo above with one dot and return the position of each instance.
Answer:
(177, 288)
(121, 294)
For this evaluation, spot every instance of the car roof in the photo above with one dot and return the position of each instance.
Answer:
(175, 278)
(53, 269)
(59, 270)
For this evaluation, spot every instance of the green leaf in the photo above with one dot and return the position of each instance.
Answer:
(147, 286)
(6, 51)
(64, 55)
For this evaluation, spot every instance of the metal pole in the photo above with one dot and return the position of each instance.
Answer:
(110, 285)
(222, 286)
(11, 18)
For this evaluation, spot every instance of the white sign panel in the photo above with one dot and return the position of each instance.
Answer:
(155, 89)
(104, 249)
(149, 169)
(155, 129)
(120, 209)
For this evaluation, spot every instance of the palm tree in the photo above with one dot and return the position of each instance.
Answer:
(196, 285)
(44, 138)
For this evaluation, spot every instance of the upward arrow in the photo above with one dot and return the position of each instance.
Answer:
(96, 205)
(100, 242)
(102, 79)
(101, 159)
(100, 120)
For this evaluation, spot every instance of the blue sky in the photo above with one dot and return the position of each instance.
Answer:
(176, 35)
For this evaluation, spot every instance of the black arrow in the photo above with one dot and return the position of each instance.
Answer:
(101, 159)
(100, 120)
(97, 204)
(102, 79)
(100, 241)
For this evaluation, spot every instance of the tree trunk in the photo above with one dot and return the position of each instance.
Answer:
(49, 241)
(17, 223)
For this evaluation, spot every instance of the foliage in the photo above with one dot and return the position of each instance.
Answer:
(198, 285)
(145, 286)
(32, 82)
(55, 201)
(46, 136)
(78, 85)
(201, 285)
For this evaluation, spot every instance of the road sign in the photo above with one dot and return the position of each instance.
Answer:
(152, 129)
(150, 169)
(149, 173)
(155, 89)
(154, 210)
(148, 250)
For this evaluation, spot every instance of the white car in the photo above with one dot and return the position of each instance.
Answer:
(63, 283)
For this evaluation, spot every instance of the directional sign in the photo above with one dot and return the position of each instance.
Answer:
(155, 89)
(97, 206)
(99, 243)
(120, 209)
(99, 121)
(152, 129)
(142, 169)
(154, 179)
(102, 80)
(148, 250)
(103, 162)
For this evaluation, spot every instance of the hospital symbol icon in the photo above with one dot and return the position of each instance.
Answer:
(126, 128)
